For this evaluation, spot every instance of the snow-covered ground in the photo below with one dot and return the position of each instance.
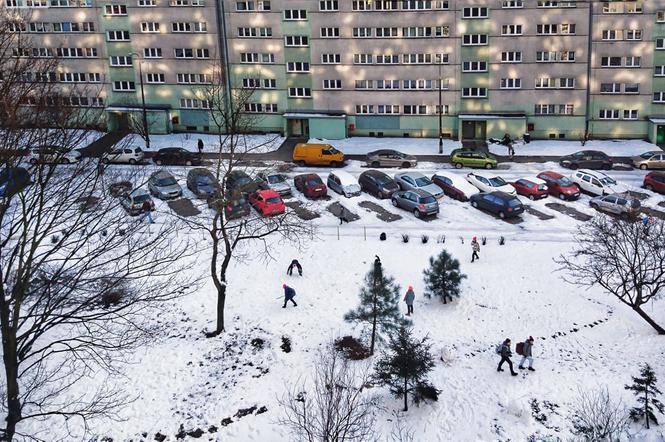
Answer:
(583, 338)
(413, 146)
(626, 148)
(254, 143)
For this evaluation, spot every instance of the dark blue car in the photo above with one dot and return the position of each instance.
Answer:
(499, 203)
(13, 180)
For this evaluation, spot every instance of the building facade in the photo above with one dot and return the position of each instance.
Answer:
(470, 69)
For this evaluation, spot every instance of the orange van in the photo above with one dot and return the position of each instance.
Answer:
(317, 155)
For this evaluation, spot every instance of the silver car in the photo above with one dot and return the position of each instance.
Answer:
(275, 181)
(391, 158)
(616, 203)
(418, 201)
(162, 185)
(650, 160)
(416, 180)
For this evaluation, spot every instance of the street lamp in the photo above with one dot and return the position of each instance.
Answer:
(440, 111)
(145, 113)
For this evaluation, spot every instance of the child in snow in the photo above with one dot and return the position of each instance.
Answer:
(505, 357)
(408, 298)
(476, 248)
(526, 354)
(289, 294)
(293, 264)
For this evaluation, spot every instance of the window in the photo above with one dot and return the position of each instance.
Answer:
(474, 66)
(386, 109)
(120, 60)
(608, 114)
(66, 52)
(362, 58)
(146, 3)
(154, 78)
(659, 97)
(547, 29)
(474, 92)
(630, 114)
(255, 57)
(612, 34)
(610, 88)
(252, 5)
(330, 58)
(117, 35)
(295, 14)
(633, 8)
(189, 27)
(416, 58)
(474, 39)
(149, 27)
(296, 41)
(610, 62)
(328, 5)
(633, 62)
(511, 83)
(474, 12)
(196, 79)
(124, 86)
(566, 83)
(152, 52)
(329, 32)
(551, 57)
(444, 110)
(425, 32)
(332, 84)
(417, 84)
(300, 92)
(512, 4)
(193, 103)
(631, 88)
(362, 32)
(297, 66)
(634, 34)
(556, 4)
(660, 44)
(386, 32)
(115, 9)
(180, 3)
(254, 32)
(79, 77)
(415, 109)
(660, 16)
(554, 109)
(364, 109)
(544, 83)
(386, 5)
(361, 5)
(659, 71)
(387, 59)
(567, 29)
(387, 84)
(191, 53)
(511, 30)
(416, 5)
(364, 84)
(511, 57)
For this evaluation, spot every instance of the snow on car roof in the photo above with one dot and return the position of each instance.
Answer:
(344, 177)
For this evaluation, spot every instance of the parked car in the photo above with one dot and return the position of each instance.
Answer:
(586, 159)
(202, 182)
(596, 182)
(317, 155)
(416, 180)
(655, 181)
(275, 181)
(53, 154)
(391, 158)
(559, 185)
(617, 204)
(454, 185)
(239, 181)
(650, 160)
(470, 158)
(343, 183)
(176, 155)
(133, 201)
(235, 206)
(267, 202)
(162, 185)
(13, 180)
(502, 204)
(310, 185)
(131, 155)
(532, 188)
(377, 183)
(418, 201)
(488, 183)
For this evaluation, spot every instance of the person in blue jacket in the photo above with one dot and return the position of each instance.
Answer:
(289, 294)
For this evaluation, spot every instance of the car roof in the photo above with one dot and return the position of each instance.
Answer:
(344, 177)
(411, 174)
(533, 179)
(656, 173)
(551, 174)
(307, 176)
(200, 171)
(161, 174)
(374, 172)
(238, 173)
(138, 191)
(420, 192)
(267, 193)
(381, 151)
(503, 195)
(487, 177)
(593, 173)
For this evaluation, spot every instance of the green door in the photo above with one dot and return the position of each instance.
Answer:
(660, 134)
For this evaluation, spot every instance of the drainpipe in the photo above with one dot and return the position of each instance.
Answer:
(224, 48)
(587, 113)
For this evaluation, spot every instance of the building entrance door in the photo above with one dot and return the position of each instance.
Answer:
(299, 128)
(468, 130)
(660, 134)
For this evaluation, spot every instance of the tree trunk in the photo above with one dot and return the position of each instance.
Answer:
(221, 299)
(406, 399)
(371, 344)
(11, 373)
(646, 404)
(642, 313)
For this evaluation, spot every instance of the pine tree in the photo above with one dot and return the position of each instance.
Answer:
(443, 277)
(405, 366)
(379, 305)
(644, 387)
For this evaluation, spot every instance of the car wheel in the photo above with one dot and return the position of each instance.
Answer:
(572, 166)
(105, 160)
(334, 164)
(132, 161)
(33, 160)
(502, 215)
(379, 194)
(300, 163)
(406, 165)
(459, 165)
(532, 198)
(376, 164)
(64, 160)
(188, 163)
(417, 213)
(562, 196)
(643, 167)
(158, 162)
(394, 201)
(649, 187)
(607, 166)
(594, 206)
(474, 204)
(488, 166)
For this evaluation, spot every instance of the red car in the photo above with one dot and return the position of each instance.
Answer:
(655, 181)
(267, 202)
(559, 185)
(532, 188)
(311, 185)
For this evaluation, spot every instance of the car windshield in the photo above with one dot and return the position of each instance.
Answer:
(313, 181)
(203, 180)
(166, 181)
(140, 198)
(423, 181)
(382, 179)
(607, 181)
(241, 181)
(564, 181)
(275, 179)
(646, 155)
(497, 181)
(238, 202)
(273, 200)
(427, 200)
(332, 150)
(514, 202)
(541, 187)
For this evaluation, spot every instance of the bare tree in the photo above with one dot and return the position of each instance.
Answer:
(336, 407)
(597, 418)
(401, 432)
(228, 236)
(627, 259)
(79, 282)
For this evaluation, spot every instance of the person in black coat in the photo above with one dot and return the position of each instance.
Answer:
(200, 145)
(289, 294)
(293, 264)
(505, 357)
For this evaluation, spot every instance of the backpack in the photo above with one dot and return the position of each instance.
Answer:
(519, 348)
(498, 348)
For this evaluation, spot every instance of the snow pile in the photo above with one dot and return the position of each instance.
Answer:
(413, 146)
(624, 148)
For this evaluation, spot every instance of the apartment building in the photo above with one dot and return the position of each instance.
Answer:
(468, 69)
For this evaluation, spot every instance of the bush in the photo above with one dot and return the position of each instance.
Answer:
(382, 237)
(424, 239)
(352, 348)
(286, 344)
(425, 392)
(596, 417)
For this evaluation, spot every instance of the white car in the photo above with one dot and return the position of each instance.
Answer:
(490, 183)
(53, 154)
(131, 155)
(343, 183)
(596, 182)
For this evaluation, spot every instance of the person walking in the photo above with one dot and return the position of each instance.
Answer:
(294, 264)
(146, 207)
(289, 294)
(408, 298)
(342, 215)
(505, 357)
(476, 248)
(527, 354)
(200, 145)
